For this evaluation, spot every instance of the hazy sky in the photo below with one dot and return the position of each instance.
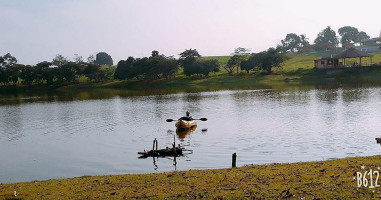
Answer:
(37, 30)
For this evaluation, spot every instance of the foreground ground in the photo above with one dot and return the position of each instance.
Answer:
(333, 179)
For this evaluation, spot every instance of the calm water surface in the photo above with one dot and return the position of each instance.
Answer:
(58, 136)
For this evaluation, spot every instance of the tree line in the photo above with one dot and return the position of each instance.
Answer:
(62, 71)
(160, 66)
(326, 39)
(57, 72)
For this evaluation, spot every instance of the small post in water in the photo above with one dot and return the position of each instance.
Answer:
(234, 158)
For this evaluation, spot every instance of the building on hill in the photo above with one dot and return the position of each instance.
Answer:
(317, 48)
(372, 42)
(334, 61)
(327, 62)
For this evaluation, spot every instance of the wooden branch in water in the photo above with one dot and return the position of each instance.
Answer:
(177, 151)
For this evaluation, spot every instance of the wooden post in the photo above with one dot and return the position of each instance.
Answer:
(234, 159)
(174, 144)
(157, 144)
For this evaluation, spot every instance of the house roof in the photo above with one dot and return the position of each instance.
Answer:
(352, 53)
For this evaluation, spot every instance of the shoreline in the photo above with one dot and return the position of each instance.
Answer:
(318, 179)
(308, 79)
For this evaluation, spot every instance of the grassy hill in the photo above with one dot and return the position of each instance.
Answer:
(332, 179)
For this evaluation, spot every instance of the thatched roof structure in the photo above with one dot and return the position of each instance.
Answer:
(351, 53)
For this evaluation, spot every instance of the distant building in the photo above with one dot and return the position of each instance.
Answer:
(327, 62)
(333, 61)
(372, 42)
(317, 47)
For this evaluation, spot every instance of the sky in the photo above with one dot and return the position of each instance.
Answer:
(37, 30)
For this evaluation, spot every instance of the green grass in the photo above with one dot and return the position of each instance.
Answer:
(222, 60)
(331, 179)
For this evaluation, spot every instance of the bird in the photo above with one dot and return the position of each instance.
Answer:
(378, 140)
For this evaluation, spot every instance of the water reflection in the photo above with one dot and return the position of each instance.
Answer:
(182, 133)
(100, 132)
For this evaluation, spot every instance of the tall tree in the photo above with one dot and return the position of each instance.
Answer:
(78, 59)
(327, 36)
(266, 60)
(27, 74)
(60, 60)
(102, 58)
(233, 63)
(361, 37)
(91, 58)
(187, 58)
(44, 72)
(348, 34)
(9, 70)
(304, 40)
(7, 61)
(292, 42)
(94, 72)
(154, 53)
(239, 55)
(125, 69)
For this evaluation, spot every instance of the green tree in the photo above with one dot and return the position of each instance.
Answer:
(154, 53)
(266, 60)
(44, 72)
(3, 76)
(252, 63)
(27, 74)
(239, 55)
(208, 66)
(102, 58)
(361, 37)
(91, 59)
(125, 69)
(187, 59)
(13, 73)
(78, 59)
(69, 72)
(159, 66)
(348, 34)
(60, 60)
(10, 70)
(292, 42)
(94, 72)
(7, 63)
(304, 40)
(326, 36)
(233, 63)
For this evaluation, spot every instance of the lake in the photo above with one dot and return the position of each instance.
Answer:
(60, 135)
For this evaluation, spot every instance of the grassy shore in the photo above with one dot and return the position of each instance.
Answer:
(333, 179)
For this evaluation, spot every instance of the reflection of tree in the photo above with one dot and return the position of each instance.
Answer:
(350, 95)
(191, 102)
(329, 96)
